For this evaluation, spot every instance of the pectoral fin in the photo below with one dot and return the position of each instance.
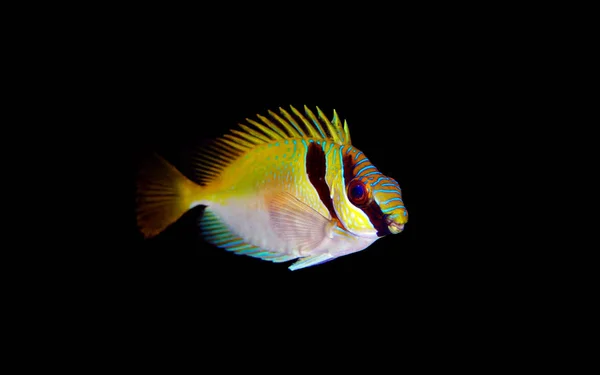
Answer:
(296, 222)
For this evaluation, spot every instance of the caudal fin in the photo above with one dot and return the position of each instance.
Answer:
(163, 195)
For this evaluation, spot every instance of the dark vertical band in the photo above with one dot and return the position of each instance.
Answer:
(316, 168)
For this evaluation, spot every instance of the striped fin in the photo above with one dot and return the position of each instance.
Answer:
(336, 133)
(319, 126)
(316, 122)
(348, 141)
(311, 130)
(210, 161)
(293, 131)
(217, 233)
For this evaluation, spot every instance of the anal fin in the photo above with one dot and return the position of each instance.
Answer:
(217, 233)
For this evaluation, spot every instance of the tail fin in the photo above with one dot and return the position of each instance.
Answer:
(163, 195)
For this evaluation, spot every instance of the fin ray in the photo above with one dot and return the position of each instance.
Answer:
(310, 261)
(249, 137)
(264, 129)
(291, 131)
(218, 233)
(315, 121)
(291, 121)
(309, 127)
(239, 141)
(255, 133)
(347, 133)
(297, 222)
(163, 195)
(210, 161)
(271, 125)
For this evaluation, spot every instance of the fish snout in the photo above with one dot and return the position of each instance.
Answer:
(395, 228)
(396, 223)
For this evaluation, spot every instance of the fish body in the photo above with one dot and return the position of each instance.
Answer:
(290, 187)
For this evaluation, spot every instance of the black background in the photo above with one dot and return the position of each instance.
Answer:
(423, 115)
(386, 107)
(441, 108)
(378, 127)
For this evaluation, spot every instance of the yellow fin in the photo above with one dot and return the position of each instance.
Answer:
(163, 195)
(289, 126)
(311, 130)
(292, 121)
(333, 131)
(271, 125)
(210, 161)
(292, 132)
(347, 134)
(315, 122)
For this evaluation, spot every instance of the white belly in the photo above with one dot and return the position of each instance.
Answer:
(250, 220)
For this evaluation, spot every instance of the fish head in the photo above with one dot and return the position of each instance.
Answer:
(372, 204)
(381, 203)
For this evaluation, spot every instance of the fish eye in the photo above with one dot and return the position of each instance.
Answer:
(358, 192)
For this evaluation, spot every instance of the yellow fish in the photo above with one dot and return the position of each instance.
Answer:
(288, 186)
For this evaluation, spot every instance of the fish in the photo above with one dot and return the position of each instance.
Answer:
(282, 187)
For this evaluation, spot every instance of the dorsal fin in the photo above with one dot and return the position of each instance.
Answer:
(210, 161)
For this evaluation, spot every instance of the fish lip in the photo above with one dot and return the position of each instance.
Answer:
(394, 227)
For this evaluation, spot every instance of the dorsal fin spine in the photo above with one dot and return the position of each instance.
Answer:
(266, 130)
(220, 146)
(255, 133)
(291, 120)
(334, 132)
(234, 145)
(221, 152)
(216, 154)
(292, 132)
(347, 131)
(309, 127)
(249, 137)
(336, 121)
(315, 121)
(274, 127)
(238, 140)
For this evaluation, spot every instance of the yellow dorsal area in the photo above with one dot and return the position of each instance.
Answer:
(285, 126)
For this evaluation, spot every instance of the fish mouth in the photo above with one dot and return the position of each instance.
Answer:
(394, 227)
